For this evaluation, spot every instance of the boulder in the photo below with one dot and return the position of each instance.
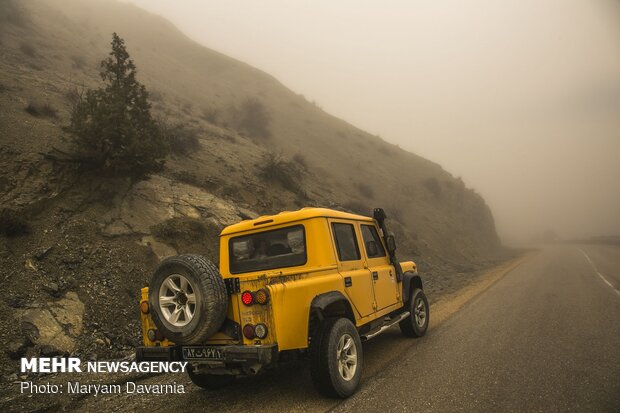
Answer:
(55, 327)
(158, 199)
(160, 249)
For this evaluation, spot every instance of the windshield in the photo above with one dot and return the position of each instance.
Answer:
(279, 248)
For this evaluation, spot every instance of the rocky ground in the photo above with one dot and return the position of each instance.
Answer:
(87, 268)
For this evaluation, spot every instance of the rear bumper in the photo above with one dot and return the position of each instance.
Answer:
(158, 353)
(233, 357)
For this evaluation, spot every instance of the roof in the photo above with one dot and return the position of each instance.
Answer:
(290, 216)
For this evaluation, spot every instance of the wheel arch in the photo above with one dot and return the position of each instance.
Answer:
(327, 305)
(411, 280)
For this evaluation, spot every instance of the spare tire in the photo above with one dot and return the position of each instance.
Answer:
(188, 299)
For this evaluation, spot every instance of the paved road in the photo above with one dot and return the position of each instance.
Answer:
(545, 337)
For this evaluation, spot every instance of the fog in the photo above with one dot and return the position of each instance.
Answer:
(521, 98)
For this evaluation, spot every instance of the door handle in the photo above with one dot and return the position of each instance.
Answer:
(348, 282)
(375, 275)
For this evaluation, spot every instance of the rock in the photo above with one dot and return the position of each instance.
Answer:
(160, 249)
(29, 264)
(17, 348)
(158, 199)
(42, 329)
(55, 328)
(52, 288)
(42, 252)
(49, 351)
(116, 228)
(245, 213)
(69, 311)
(11, 377)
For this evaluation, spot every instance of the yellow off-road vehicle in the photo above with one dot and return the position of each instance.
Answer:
(315, 282)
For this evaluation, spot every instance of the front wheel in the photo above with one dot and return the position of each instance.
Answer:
(417, 323)
(336, 358)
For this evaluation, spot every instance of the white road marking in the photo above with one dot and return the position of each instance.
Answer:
(599, 274)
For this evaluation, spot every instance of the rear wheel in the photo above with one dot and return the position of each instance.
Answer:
(417, 323)
(210, 381)
(336, 358)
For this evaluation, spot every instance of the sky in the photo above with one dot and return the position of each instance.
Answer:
(520, 98)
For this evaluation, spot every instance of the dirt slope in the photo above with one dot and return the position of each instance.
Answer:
(102, 239)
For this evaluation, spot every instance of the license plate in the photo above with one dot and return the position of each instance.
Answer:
(202, 353)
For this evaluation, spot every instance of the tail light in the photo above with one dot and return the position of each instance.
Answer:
(248, 331)
(260, 330)
(262, 296)
(247, 298)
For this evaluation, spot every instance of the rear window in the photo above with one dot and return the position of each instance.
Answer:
(268, 250)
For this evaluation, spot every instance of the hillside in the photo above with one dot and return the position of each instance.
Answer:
(77, 233)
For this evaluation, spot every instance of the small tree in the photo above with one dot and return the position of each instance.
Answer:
(112, 126)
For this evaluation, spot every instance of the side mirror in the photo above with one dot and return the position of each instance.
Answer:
(371, 249)
(391, 244)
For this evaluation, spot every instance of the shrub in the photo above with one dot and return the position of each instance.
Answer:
(187, 177)
(276, 168)
(300, 159)
(365, 190)
(432, 184)
(112, 127)
(41, 110)
(182, 139)
(12, 224)
(73, 96)
(77, 62)
(253, 118)
(211, 115)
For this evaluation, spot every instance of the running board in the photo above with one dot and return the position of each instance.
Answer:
(366, 337)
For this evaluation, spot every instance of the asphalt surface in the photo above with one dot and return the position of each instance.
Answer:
(546, 337)
(543, 337)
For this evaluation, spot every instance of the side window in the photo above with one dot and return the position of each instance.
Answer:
(346, 242)
(372, 242)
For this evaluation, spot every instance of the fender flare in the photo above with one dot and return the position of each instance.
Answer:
(411, 280)
(322, 301)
